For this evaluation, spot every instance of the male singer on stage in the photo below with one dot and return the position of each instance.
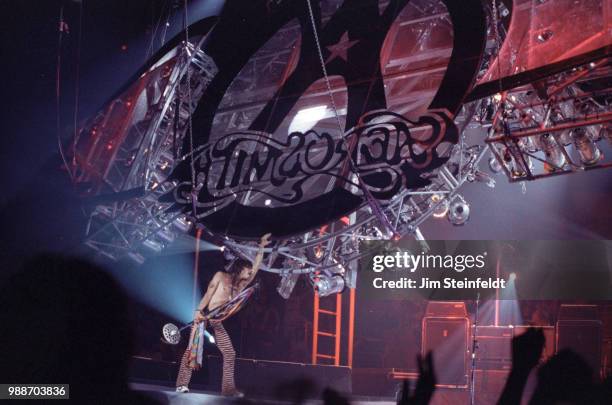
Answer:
(223, 287)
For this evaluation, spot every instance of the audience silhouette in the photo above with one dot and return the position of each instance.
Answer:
(564, 379)
(65, 321)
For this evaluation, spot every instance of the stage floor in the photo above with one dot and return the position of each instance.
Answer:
(169, 396)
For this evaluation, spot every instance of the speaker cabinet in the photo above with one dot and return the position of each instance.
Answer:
(493, 351)
(489, 385)
(448, 309)
(584, 338)
(447, 338)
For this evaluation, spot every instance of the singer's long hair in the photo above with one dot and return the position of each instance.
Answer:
(236, 267)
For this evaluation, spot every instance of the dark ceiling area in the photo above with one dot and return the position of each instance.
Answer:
(38, 206)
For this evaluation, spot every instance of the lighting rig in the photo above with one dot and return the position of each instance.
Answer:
(133, 145)
(554, 127)
(125, 154)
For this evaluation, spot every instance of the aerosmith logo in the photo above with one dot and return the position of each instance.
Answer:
(270, 175)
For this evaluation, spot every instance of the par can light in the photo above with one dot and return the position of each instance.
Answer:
(458, 212)
(328, 285)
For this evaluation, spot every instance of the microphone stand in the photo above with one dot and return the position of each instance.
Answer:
(474, 347)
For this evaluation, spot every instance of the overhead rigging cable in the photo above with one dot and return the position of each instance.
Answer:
(76, 90)
(495, 19)
(372, 202)
(58, 73)
(189, 121)
(165, 6)
(162, 40)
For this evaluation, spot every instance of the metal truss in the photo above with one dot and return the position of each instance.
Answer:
(538, 130)
(555, 127)
(150, 147)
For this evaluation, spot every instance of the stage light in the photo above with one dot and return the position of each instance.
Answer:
(555, 159)
(307, 118)
(287, 284)
(136, 257)
(407, 213)
(327, 285)
(588, 151)
(372, 232)
(153, 245)
(481, 177)
(267, 202)
(494, 165)
(544, 36)
(166, 235)
(459, 211)
(222, 248)
(442, 209)
(606, 133)
(183, 224)
(565, 137)
(315, 253)
(528, 144)
(503, 10)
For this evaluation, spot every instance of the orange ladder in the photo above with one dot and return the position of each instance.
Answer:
(335, 334)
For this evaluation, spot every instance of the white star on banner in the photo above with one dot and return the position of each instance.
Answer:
(340, 49)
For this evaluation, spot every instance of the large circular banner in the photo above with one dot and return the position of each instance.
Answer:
(275, 151)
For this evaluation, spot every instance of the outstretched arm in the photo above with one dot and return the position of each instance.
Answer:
(259, 257)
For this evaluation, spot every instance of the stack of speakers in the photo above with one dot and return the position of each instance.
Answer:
(580, 329)
(446, 332)
(495, 345)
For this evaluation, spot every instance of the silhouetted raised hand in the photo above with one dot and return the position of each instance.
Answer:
(527, 348)
(425, 386)
(565, 378)
(526, 352)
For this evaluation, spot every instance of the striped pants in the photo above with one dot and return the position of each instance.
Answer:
(224, 344)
